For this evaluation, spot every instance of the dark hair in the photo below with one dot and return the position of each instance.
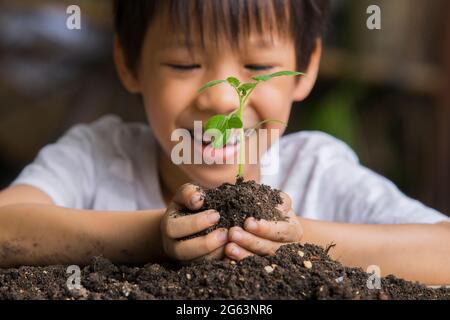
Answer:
(304, 20)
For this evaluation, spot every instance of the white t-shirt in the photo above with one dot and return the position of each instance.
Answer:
(112, 165)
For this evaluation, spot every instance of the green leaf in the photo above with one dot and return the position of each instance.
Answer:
(243, 88)
(219, 126)
(263, 77)
(247, 86)
(234, 122)
(210, 84)
(233, 81)
(217, 142)
(216, 122)
(286, 73)
(222, 139)
(217, 137)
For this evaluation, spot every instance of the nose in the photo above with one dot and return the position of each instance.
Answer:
(221, 98)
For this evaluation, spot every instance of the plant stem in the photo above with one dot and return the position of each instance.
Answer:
(242, 139)
(242, 101)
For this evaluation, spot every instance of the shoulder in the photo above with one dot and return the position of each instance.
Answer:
(302, 155)
(90, 163)
(107, 127)
(315, 145)
(107, 136)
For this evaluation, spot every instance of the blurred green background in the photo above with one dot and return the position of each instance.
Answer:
(384, 92)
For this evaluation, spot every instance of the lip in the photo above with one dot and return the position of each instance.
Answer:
(205, 139)
(225, 155)
(211, 155)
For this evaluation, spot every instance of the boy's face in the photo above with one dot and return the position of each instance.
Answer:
(169, 75)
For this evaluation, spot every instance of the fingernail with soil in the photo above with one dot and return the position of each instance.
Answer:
(222, 236)
(213, 216)
(251, 224)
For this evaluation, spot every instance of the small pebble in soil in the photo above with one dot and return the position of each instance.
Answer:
(246, 279)
(268, 269)
(340, 280)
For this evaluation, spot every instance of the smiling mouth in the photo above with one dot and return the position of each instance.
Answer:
(234, 139)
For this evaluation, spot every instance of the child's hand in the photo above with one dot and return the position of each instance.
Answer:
(173, 227)
(264, 237)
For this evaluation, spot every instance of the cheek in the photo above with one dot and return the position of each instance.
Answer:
(167, 97)
(165, 101)
(161, 107)
(273, 103)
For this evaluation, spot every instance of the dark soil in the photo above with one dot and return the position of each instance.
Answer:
(237, 202)
(283, 276)
(295, 272)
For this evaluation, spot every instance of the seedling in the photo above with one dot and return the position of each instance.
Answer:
(224, 123)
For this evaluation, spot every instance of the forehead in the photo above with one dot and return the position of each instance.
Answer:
(253, 41)
(201, 23)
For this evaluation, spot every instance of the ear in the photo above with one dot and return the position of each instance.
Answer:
(126, 76)
(306, 82)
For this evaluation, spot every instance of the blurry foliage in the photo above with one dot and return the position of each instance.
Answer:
(336, 114)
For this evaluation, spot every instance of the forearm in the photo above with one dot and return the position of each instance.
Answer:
(415, 252)
(35, 234)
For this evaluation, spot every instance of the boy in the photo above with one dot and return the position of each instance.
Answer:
(104, 188)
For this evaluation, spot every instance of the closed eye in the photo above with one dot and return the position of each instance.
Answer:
(257, 67)
(182, 67)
